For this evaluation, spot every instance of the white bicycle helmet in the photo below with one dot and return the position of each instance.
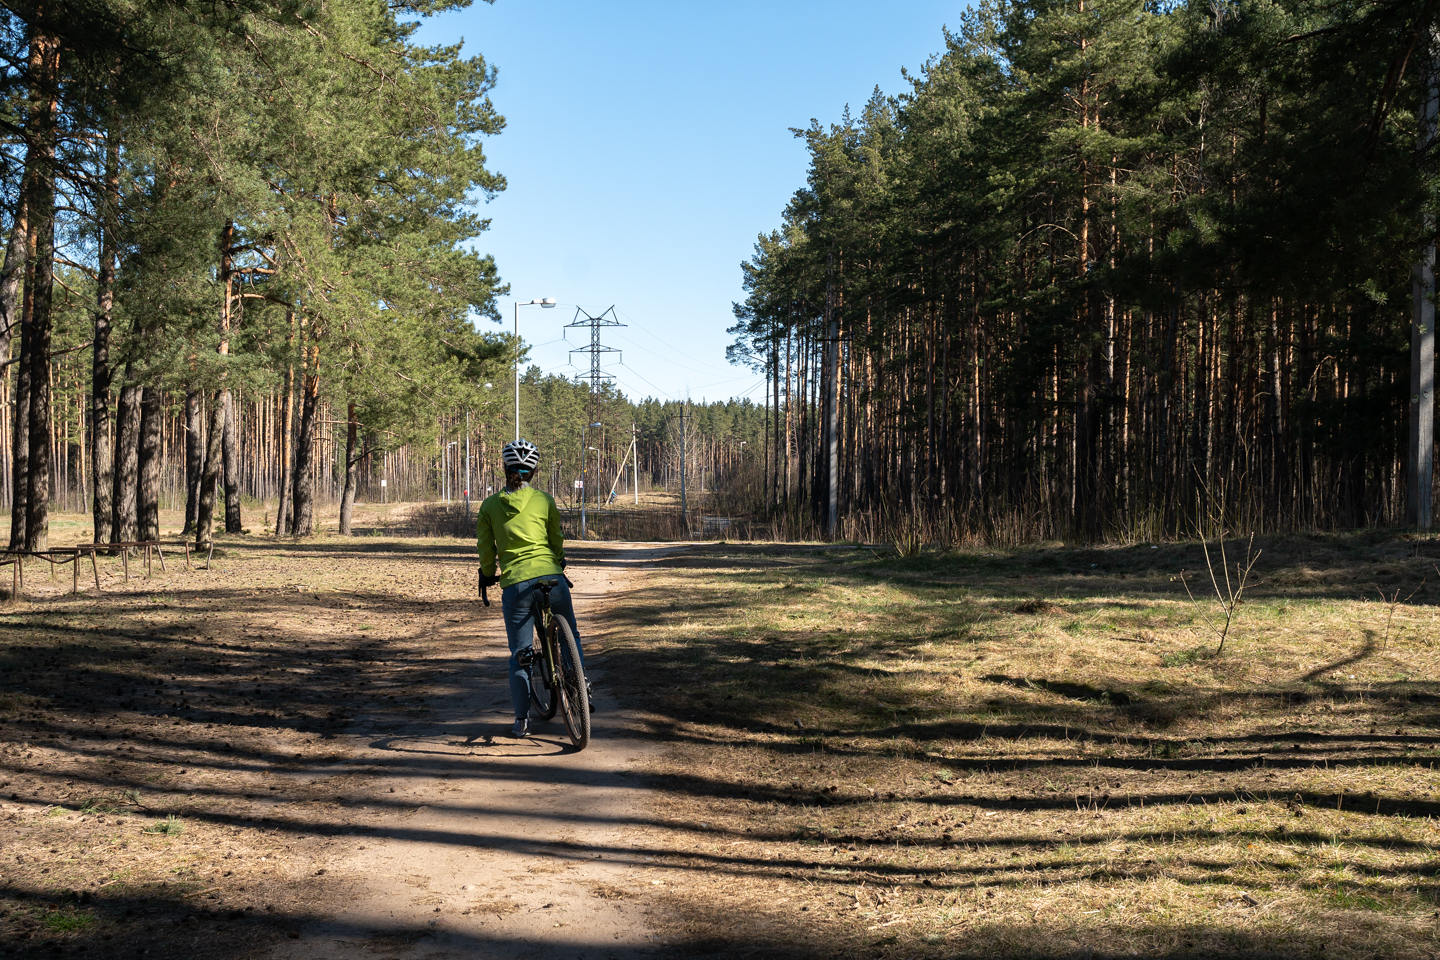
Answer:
(520, 455)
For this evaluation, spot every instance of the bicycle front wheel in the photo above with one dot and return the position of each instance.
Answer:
(574, 693)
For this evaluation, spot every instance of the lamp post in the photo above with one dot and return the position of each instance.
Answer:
(584, 486)
(545, 304)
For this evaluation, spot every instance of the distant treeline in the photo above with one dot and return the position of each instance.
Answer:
(721, 442)
(1109, 268)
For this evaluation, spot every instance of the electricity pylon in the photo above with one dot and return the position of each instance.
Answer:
(596, 348)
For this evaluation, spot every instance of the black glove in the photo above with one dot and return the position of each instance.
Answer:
(488, 581)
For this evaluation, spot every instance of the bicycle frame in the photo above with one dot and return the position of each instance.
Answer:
(545, 637)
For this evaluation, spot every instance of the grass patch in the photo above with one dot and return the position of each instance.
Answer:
(171, 826)
(1037, 752)
(1187, 657)
(68, 920)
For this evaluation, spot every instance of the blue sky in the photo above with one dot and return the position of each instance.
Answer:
(647, 145)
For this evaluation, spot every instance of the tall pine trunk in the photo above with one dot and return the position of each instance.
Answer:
(101, 462)
(125, 518)
(20, 428)
(14, 319)
(215, 434)
(302, 521)
(352, 463)
(194, 458)
(830, 375)
(1421, 454)
(287, 420)
(152, 414)
(210, 473)
(231, 454)
(44, 69)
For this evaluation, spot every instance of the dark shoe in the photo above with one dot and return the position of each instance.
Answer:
(521, 730)
(590, 694)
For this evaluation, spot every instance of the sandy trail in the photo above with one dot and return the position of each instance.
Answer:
(468, 843)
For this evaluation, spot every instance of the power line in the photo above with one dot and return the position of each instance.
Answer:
(762, 382)
(669, 360)
(643, 380)
(705, 386)
(670, 346)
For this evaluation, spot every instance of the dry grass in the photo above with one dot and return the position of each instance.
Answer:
(1035, 752)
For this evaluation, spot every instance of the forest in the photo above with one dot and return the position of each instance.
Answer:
(1114, 269)
(1106, 269)
(241, 265)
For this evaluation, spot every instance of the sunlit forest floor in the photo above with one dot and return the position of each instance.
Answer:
(1037, 752)
(1019, 753)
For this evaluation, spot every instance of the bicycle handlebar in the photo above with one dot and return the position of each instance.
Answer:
(485, 593)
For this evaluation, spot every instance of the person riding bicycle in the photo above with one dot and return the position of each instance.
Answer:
(520, 526)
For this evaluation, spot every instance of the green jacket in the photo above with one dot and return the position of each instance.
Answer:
(523, 528)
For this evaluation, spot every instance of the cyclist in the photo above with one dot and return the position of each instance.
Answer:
(520, 526)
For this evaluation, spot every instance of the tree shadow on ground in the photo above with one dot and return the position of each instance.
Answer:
(137, 925)
(206, 713)
(1343, 566)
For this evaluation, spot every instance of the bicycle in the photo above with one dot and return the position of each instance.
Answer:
(556, 676)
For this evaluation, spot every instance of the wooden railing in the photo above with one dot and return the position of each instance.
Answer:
(59, 556)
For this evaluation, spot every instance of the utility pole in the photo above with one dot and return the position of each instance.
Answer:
(467, 463)
(635, 462)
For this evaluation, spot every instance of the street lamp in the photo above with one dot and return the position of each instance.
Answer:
(545, 304)
(584, 487)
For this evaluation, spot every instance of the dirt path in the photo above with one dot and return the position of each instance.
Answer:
(467, 843)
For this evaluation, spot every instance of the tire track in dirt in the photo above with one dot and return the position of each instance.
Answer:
(467, 843)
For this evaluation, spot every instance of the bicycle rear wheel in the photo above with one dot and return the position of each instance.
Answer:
(574, 693)
(543, 701)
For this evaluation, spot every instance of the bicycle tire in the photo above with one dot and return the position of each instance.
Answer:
(543, 701)
(574, 693)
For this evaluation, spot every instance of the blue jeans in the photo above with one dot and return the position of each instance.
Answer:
(517, 607)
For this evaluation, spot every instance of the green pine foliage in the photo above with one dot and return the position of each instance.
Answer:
(289, 191)
(1107, 268)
